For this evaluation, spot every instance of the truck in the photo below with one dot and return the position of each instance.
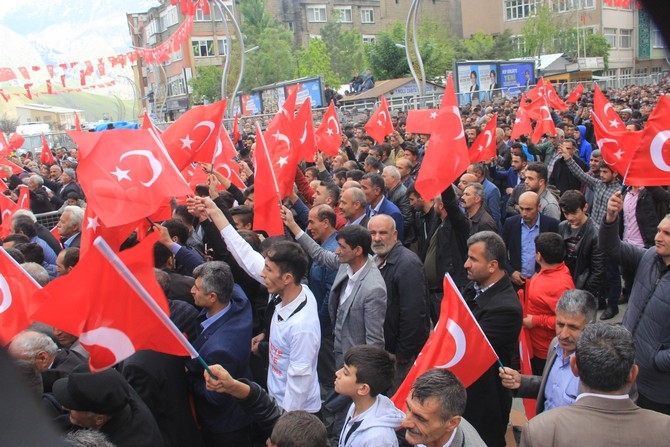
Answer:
(32, 132)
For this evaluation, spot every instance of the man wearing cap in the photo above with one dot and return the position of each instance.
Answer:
(105, 402)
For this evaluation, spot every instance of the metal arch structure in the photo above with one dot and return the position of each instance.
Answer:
(225, 14)
(411, 24)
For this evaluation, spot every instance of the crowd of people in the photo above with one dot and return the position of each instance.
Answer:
(306, 334)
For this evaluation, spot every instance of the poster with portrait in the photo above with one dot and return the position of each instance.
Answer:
(476, 82)
(516, 77)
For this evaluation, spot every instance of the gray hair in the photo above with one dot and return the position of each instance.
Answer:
(357, 195)
(605, 356)
(217, 278)
(39, 273)
(76, 215)
(37, 179)
(494, 246)
(443, 386)
(88, 438)
(28, 213)
(70, 173)
(393, 172)
(578, 302)
(479, 190)
(31, 343)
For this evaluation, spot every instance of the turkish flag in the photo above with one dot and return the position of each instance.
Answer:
(421, 121)
(283, 158)
(50, 90)
(575, 94)
(8, 208)
(28, 93)
(379, 125)
(605, 113)
(267, 215)
(446, 156)
(17, 287)
(16, 169)
(147, 123)
(526, 352)
(46, 157)
(24, 72)
(195, 175)
(7, 74)
(236, 128)
(96, 302)
(544, 125)
(522, 124)
(4, 146)
(303, 137)
(77, 123)
(288, 107)
(93, 227)
(457, 344)
(16, 141)
(552, 97)
(649, 164)
(126, 174)
(193, 136)
(616, 146)
(484, 146)
(329, 134)
(224, 160)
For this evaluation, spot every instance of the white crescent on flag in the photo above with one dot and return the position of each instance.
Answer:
(6, 295)
(109, 338)
(156, 167)
(656, 150)
(461, 345)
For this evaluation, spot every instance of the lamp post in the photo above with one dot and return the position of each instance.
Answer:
(412, 24)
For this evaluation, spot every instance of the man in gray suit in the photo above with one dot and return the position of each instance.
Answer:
(603, 413)
(557, 386)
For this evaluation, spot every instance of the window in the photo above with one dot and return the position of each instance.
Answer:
(655, 70)
(203, 47)
(657, 38)
(519, 44)
(151, 28)
(342, 14)
(625, 72)
(626, 39)
(519, 9)
(316, 13)
(589, 4)
(609, 73)
(222, 43)
(367, 15)
(610, 35)
(200, 16)
(176, 55)
(368, 38)
(176, 86)
(566, 5)
(169, 18)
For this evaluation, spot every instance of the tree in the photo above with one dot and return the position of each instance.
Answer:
(344, 50)
(255, 18)
(206, 85)
(314, 61)
(539, 31)
(274, 61)
(7, 124)
(386, 60)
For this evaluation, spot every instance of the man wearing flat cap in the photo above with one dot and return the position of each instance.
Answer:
(105, 402)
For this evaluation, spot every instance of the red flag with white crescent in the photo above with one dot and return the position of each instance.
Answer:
(17, 288)
(379, 125)
(421, 121)
(484, 146)
(575, 94)
(616, 146)
(329, 134)
(46, 157)
(303, 135)
(457, 344)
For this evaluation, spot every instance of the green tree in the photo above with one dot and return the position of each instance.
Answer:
(540, 30)
(255, 18)
(597, 46)
(344, 50)
(386, 60)
(206, 85)
(274, 61)
(314, 61)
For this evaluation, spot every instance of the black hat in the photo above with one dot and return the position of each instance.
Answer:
(105, 392)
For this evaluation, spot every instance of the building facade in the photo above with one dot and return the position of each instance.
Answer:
(636, 45)
(163, 88)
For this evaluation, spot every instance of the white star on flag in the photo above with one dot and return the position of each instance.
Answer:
(282, 161)
(614, 123)
(618, 154)
(517, 120)
(329, 131)
(379, 123)
(480, 148)
(121, 174)
(92, 224)
(433, 115)
(186, 142)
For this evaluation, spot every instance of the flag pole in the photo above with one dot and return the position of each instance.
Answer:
(104, 248)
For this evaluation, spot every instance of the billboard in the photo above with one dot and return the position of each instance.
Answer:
(516, 77)
(250, 104)
(476, 81)
(309, 88)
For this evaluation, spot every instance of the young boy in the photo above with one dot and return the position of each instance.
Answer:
(372, 418)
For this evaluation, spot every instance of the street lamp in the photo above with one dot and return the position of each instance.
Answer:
(412, 23)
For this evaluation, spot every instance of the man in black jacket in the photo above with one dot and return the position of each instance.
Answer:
(496, 307)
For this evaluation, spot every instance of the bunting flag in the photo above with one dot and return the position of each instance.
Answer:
(446, 156)
(17, 287)
(649, 163)
(329, 134)
(457, 344)
(379, 125)
(484, 146)
(267, 212)
(127, 312)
